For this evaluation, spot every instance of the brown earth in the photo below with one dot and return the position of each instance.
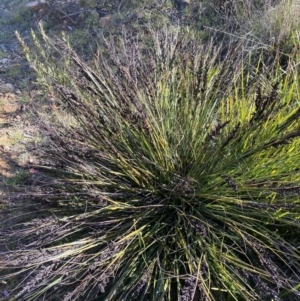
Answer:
(8, 110)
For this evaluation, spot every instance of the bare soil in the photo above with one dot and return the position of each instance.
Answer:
(8, 112)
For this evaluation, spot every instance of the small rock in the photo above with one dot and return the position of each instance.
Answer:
(10, 87)
(6, 88)
(4, 61)
(18, 91)
(36, 5)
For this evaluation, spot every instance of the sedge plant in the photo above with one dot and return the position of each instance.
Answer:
(177, 180)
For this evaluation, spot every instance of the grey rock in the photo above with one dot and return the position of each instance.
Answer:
(6, 88)
(4, 61)
(36, 5)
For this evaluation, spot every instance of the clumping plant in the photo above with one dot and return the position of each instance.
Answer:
(178, 178)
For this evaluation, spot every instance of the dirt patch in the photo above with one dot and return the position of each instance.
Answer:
(8, 109)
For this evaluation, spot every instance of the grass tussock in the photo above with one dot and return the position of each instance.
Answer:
(178, 178)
